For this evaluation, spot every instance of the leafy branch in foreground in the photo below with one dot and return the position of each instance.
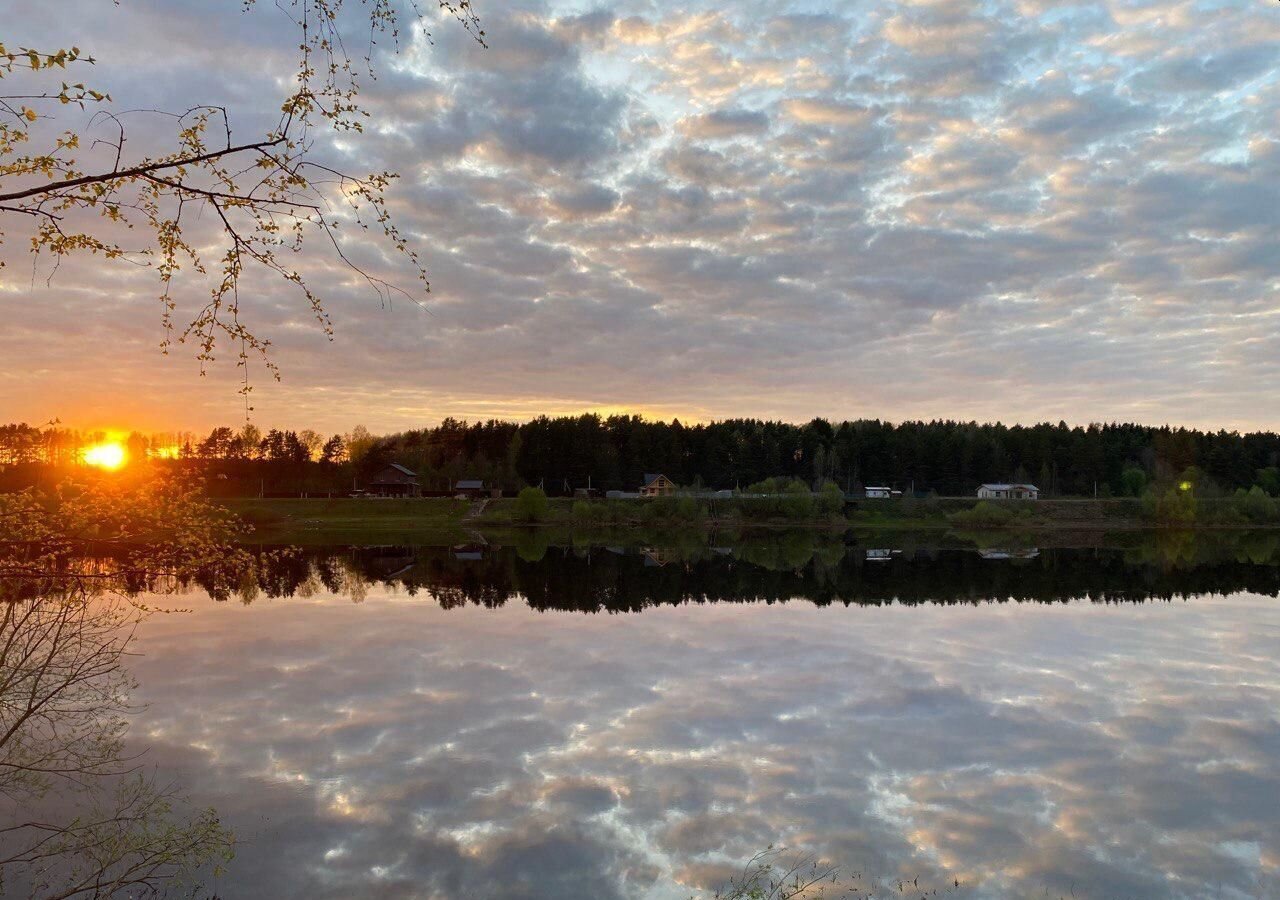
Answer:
(81, 818)
(82, 190)
(84, 541)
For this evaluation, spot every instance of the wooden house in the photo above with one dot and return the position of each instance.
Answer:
(395, 480)
(657, 485)
(469, 487)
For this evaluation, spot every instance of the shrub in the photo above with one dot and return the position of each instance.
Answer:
(984, 515)
(1269, 480)
(688, 510)
(1256, 505)
(531, 505)
(584, 511)
(1228, 513)
(659, 509)
(1175, 506)
(787, 498)
(830, 499)
(672, 509)
(797, 502)
(1133, 481)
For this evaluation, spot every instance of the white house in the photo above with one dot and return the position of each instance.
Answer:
(880, 493)
(1009, 492)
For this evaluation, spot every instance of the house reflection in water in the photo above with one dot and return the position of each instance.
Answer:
(657, 556)
(388, 562)
(881, 554)
(1010, 553)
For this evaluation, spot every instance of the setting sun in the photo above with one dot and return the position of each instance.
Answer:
(105, 456)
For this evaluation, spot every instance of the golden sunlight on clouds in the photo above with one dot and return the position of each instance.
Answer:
(822, 112)
(786, 203)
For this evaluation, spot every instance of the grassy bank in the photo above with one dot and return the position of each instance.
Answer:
(963, 512)
(345, 520)
(791, 513)
(446, 521)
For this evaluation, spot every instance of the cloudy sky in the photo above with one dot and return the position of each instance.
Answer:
(1003, 210)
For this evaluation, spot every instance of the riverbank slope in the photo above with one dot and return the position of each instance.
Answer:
(448, 520)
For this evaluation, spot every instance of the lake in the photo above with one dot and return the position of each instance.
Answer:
(632, 722)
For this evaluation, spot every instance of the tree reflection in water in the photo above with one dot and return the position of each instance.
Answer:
(784, 567)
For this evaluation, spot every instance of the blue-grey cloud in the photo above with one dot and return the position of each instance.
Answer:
(778, 201)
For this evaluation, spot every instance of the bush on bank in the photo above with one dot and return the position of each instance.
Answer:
(531, 505)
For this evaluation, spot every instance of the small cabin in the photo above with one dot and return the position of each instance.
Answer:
(469, 487)
(657, 485)
(395, 480)
(880, 493)
(1008, 492)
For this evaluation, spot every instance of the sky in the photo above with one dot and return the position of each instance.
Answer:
(1015, 211)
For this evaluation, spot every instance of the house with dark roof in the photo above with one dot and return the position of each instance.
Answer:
(395, 480)
(657, 485)
(469, 487)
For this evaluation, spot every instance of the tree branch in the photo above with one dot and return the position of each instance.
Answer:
(138, 171)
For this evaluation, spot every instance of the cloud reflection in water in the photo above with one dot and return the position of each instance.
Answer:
(396, 749)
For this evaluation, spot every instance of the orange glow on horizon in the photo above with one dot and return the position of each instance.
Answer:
(109, 456)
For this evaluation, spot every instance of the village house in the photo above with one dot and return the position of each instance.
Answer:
(395, 480)
(657, 485)
(1009, 492)
(469, 487)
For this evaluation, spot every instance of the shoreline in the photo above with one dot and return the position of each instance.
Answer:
(448, 520)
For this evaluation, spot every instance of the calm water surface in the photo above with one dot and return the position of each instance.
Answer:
(397, 737)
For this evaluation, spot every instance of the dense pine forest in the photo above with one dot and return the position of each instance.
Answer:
(944, 457)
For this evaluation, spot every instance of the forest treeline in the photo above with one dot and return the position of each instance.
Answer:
(614, 452)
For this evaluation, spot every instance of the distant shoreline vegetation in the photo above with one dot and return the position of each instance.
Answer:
(1181, 476)
(791, 503)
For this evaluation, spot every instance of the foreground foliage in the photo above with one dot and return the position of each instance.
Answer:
(87, 820)
(78, 186)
